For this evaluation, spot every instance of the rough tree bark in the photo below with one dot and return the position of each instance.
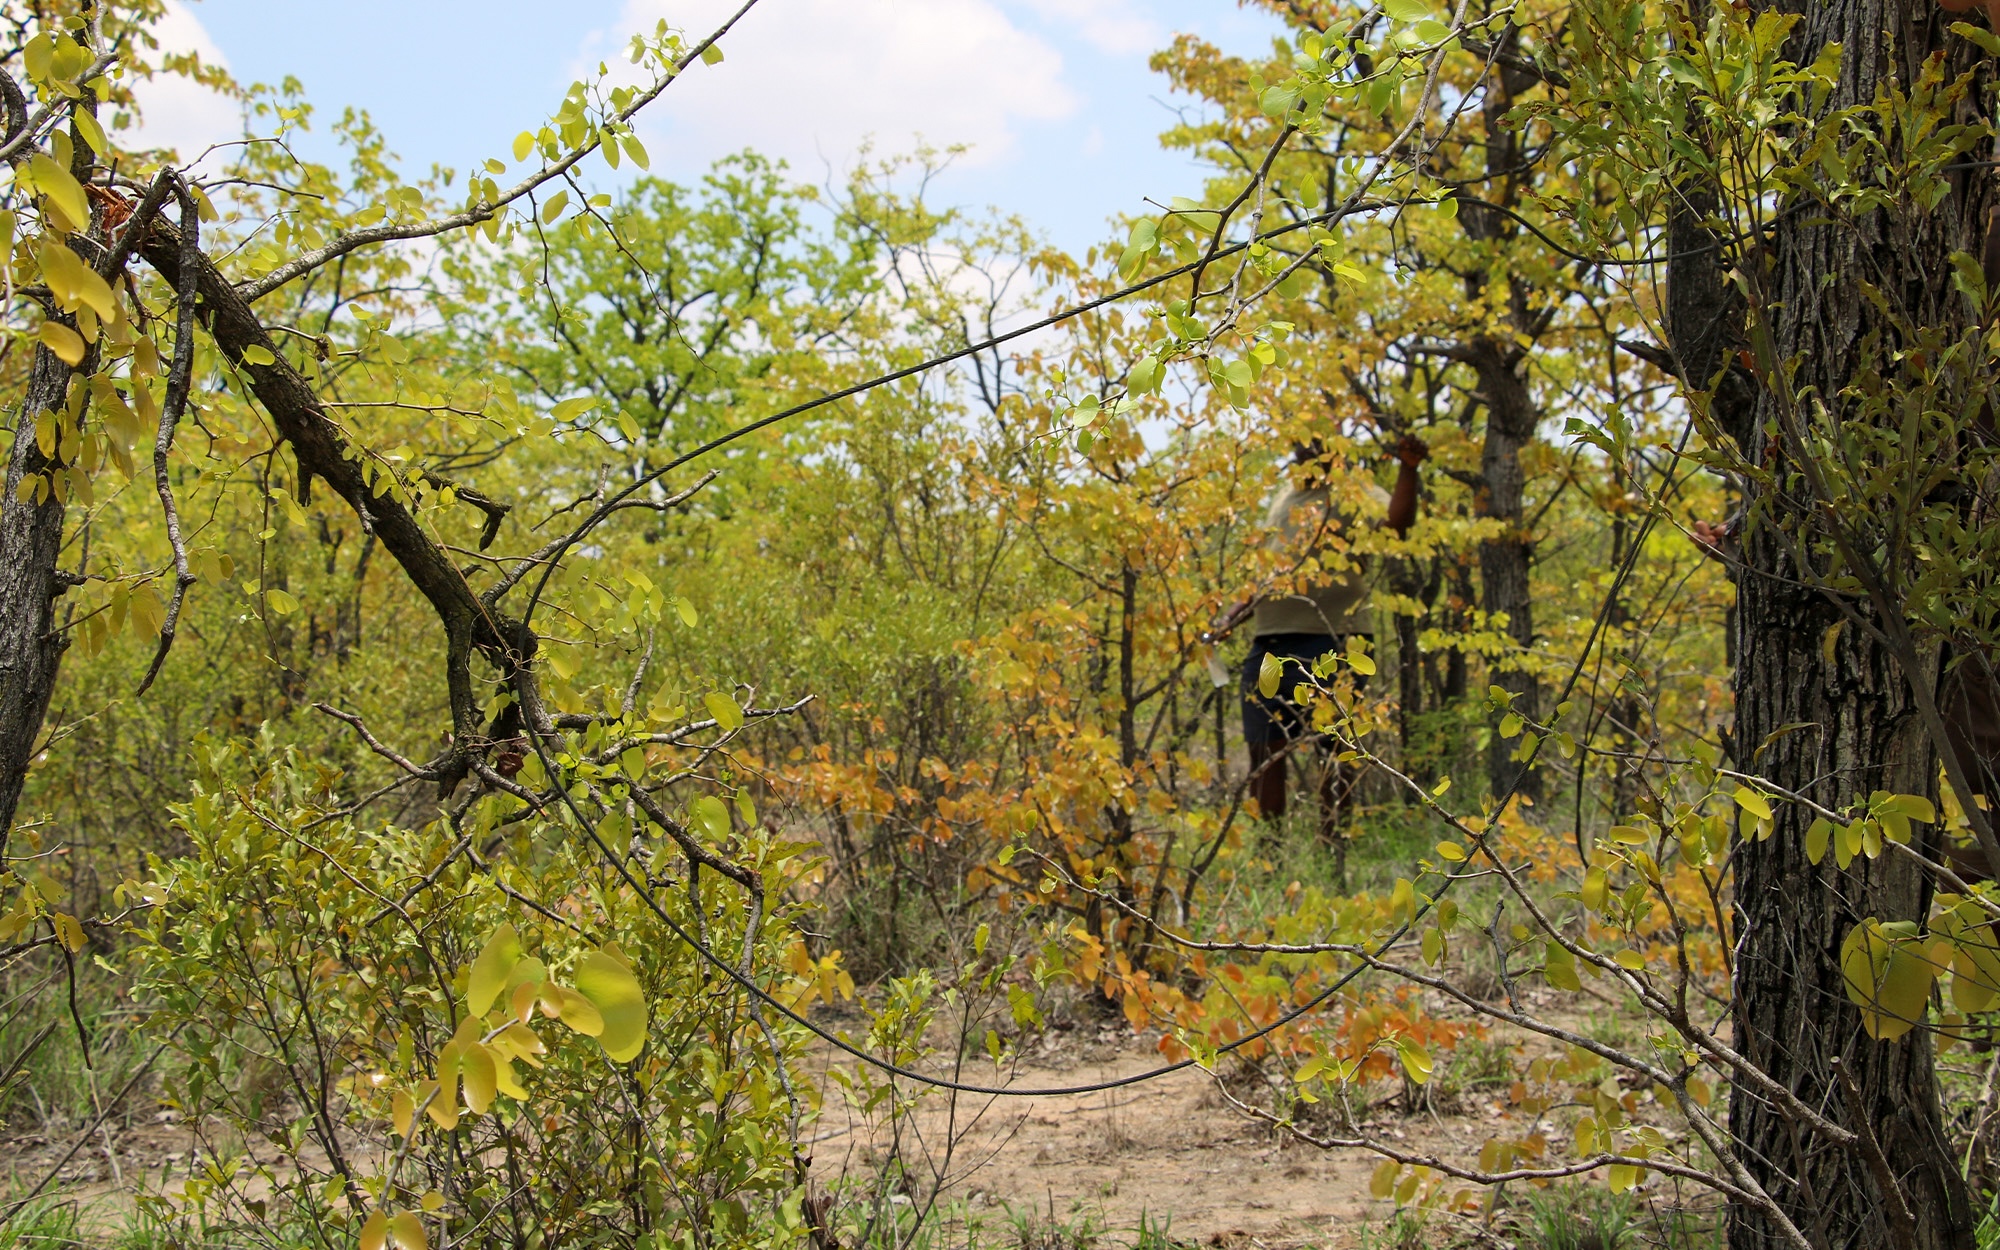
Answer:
(30, 540)
(1896, 1185)
(1500, 362)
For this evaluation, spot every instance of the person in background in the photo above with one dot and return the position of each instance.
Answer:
(1299, 628)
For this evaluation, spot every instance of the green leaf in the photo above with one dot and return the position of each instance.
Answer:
(1416, 1060)
(1986, 39)
(256, 355)
(524, 143)
(1357, 656)
(1269, 671)
(1430, 30)
(728, 713)
(1887, 977)
(281, 602)
(712, 54)
(1559, 967)
(1510, 724)
(607, 981)
(1911, 806)
(554, 207)
(1144, 377)
(684, 608)
(1817, 837)
(491, 969)
(710, 815)
(1406, 10)
(571, 409)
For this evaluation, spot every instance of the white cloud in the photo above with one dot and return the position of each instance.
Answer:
(175, 112)
(1110, 26)
(812, 80)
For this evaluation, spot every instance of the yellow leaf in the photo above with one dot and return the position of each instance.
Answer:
(1403, 900)
(1596, 889)
(609, 984)
(727, 712)
(74, 283)
(92, 132)
(1754, 803)
(1268, 673)
(432, 1201)
(1631, 961)
(491, 968)
(1416, 1060)
(1624, 1176)
(481, 1078)
(66, 343)
(1451, 851)
(1358, 657)
(504, 1079)
(62, 190)
(1383, 1182)
(402, 1112)
(578, 1012)
(524, 143)
(375, 1231)
(68, 931)
(444, 1107)
(280, 602)
(1817, 837)
(408, 1231)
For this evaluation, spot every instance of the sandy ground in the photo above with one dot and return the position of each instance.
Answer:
(1169, 1151)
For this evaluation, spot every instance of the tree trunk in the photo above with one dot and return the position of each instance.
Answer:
(30, 538)
(1504, 560)
(1792, 1017)
(1500, 361)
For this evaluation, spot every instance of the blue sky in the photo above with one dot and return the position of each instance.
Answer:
(1054, 96)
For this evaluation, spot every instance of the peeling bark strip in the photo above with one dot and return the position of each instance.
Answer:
(1791, 1016)
(470, 623)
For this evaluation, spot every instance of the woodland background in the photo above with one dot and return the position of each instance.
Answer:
(566, 696)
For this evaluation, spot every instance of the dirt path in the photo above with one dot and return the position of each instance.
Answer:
(1166, 1151)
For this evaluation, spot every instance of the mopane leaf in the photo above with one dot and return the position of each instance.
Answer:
(66, 343)
(408, 1230)
(1268, 673)
(578, 1012)
(1887, 977)
(492, 968)
(727, 712)
(480, 1078)
(609, 984)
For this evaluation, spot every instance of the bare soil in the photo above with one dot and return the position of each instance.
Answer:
(1169, 1151)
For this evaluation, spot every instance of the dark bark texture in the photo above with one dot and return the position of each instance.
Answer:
(30, 540)
(1795, 668)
